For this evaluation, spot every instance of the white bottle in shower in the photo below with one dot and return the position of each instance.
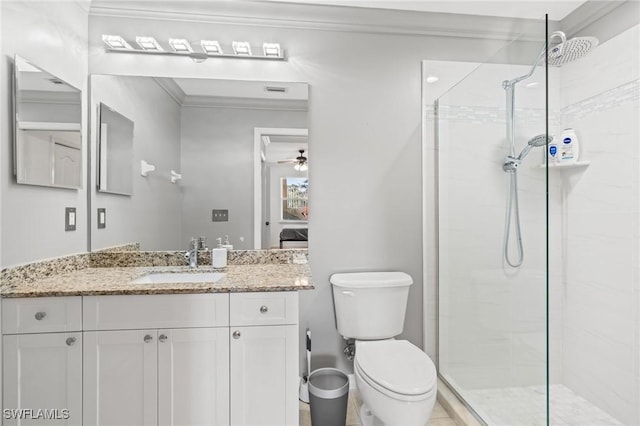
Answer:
(569, 146)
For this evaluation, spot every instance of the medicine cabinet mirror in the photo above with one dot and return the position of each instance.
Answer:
(47, 128)
(115, 152)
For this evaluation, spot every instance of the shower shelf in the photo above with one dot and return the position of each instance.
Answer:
(576, 165)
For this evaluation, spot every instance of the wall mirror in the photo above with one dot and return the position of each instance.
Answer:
(115, 151)
(214, 153)
(47, 128)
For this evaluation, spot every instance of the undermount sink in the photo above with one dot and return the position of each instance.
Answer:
(179, 277)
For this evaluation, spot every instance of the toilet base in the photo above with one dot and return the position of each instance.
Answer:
(367, 418)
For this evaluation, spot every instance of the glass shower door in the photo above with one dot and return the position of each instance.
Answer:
(492, 196)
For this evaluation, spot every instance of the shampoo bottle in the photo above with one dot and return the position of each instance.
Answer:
(219, 256)
(569, 146)
(553, 153)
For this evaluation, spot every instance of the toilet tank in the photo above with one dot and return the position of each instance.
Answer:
(370, 305)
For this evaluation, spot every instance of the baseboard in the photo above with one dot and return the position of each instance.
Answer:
(352, 382)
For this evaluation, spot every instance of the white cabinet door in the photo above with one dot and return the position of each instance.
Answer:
(264, 375)
(43, 375)
(120, 378)
(193, 377)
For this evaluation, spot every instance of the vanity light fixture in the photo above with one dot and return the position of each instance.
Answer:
(180, 45)
(198, 51)
(271, 49)
(241, 48)
(211, 47)
(116, 42)
(149, 44)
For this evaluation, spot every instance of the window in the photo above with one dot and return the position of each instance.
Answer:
(294, 198)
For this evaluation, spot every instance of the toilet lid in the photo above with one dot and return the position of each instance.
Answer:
(396, 365)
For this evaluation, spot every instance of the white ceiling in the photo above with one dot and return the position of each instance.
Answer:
(532, 9)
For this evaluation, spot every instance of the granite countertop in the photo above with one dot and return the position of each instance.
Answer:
(103, 281)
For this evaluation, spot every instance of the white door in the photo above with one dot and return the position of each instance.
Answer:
(193, 377)
(43, 373)
(264, 375)
(120, 378)
(66, 165)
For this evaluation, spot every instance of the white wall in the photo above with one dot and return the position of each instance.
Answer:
(151, 216)
(217, 155)
(54, 37)
(364, 103)
(601, 289)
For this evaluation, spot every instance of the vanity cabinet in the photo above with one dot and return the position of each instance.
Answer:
(42, 360)
(156, 377)
(43, 371)
(264, 359)
(169, 360)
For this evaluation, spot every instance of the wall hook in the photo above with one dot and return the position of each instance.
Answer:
(175, 176)
(146, 168)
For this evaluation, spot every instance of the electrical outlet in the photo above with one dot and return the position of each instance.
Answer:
(70, 219)
(102, 218)
(219, 215)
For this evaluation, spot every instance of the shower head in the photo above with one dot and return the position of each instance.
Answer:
(539, 140)
(570, 50)
(564, 52)
(536, 141)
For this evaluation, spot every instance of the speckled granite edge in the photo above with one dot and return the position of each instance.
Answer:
(11, 277)
(120, 281)
(112, 259)
(123, 247)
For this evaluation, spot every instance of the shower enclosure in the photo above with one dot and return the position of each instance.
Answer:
(539, 262)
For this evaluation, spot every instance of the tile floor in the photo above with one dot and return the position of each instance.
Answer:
(525, 406)
(439, 417)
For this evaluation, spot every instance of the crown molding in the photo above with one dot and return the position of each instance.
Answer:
(171, 88)
(327, 18)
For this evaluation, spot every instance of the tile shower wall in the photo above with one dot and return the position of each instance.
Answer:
(492, 331)
(601, 286)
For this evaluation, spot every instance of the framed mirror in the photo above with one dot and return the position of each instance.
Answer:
(205, 142)
(47, 128)
(115, 152)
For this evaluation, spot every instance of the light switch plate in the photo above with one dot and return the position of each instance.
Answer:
(220, 215)
(102, 218)
(70, 219)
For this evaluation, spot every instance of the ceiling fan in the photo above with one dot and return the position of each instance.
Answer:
(301, 162)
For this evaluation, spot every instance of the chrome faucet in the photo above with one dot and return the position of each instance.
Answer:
(192, 253)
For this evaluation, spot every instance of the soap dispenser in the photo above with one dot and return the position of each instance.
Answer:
(219, 255)
(227, 245)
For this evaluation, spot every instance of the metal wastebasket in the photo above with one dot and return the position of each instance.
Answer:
(328, 395)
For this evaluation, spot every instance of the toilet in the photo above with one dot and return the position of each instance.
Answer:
(396, 379)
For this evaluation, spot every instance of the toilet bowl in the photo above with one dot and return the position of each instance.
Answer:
(397, 383)
(397, 380)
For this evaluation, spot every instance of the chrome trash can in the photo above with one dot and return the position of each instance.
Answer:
(328, 395)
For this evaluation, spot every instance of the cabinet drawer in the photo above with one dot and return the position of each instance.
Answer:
(155, 311)
(41, 315)
(264, 308)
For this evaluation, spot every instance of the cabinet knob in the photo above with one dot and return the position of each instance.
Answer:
(71, 341)
(264, 309)
(236, 334)
(162, 338)
(148, 338)
(40, 315)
